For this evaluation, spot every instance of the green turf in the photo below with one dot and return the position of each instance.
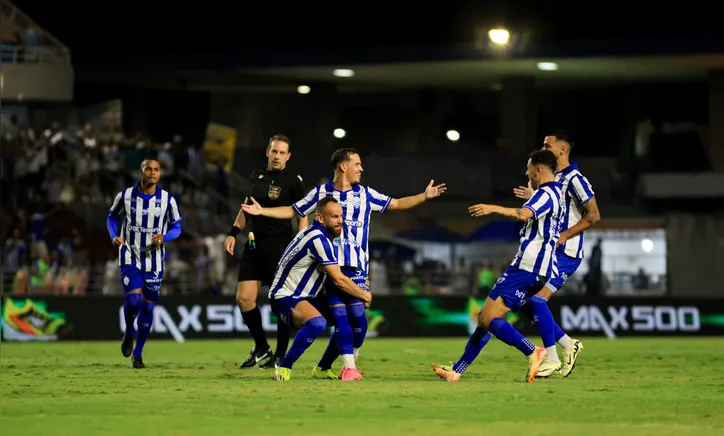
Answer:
(626, 386)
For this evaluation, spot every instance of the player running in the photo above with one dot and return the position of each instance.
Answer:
(581, 212)
(358, 202)
(299, 278)
(535, 260)
(268, 238)
(148, 218)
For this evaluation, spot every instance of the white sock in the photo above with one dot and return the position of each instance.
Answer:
(565, 342)
(553, 354)
(348, 361)
(356, 354)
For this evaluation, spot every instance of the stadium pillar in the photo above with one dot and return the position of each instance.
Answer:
(519, 113)
(716, 120)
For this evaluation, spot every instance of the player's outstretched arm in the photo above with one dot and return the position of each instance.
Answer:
(524, 192)
(517, 213)
(281, 212)
(346, 284)
(432, 191)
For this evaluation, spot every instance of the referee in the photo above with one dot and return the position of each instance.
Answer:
(268, 238)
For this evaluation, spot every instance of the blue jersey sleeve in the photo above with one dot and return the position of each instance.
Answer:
(540, 203)
(306, 205)
(321, 249)
(378, 201)
(173, 214)
(581, 190)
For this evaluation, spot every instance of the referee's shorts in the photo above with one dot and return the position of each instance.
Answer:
(260, 264)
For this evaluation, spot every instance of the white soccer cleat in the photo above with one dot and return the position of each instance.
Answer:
(570, 355)
(548, 368)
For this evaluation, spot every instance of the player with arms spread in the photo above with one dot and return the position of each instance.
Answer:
(534, 261)
(581, 212)
(358, 202)
(308, 260)
(268, 237)
(148, 217)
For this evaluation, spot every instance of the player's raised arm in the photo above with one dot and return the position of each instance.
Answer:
(298, 191)
(432, 191)
(281, 212)
(345, 284)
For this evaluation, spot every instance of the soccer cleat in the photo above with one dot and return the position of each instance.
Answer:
(282, 374)
(256, 357)
(548, 368)
(570, 355)
(534, 361)
(127, 345)
(271, 363)
(446, 372)
(350, 374)
(324, 374)
(138, 362)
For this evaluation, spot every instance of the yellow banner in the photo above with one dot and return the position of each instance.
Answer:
(220, 145)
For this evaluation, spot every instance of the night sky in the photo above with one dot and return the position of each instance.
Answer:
(145, 27)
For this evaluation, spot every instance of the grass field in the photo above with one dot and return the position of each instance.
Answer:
(626, 386)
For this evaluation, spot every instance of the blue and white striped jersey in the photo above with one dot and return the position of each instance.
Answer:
(300, 273)
(537, 252)
(577, 192)
(357, 204)
(141, 216)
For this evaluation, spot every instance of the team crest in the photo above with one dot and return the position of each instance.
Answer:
(274, 191)
(157, 210)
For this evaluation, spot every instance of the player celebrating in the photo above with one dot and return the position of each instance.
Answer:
(268, 238)
(581, 212)
(535, 258)
(299, 279)
(358, 202)
(148, 218)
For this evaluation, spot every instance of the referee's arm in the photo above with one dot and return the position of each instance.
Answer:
(240, 220)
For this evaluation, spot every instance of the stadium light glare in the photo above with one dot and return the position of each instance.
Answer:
(499, 36)
(304, 89)
(343, 72)
(647, 245)
(339, 133)
(547, 66)
(453, 135)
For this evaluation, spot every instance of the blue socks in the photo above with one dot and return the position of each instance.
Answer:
(544, 320)
(130, 311)
(145, 320)
(358, 321)
(330, 354)
(478, 340)
(508, 334)
(310, 331)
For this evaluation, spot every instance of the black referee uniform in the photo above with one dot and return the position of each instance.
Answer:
(271, 237)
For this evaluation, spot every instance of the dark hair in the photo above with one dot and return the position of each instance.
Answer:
(321, 204)
(545, 158)
(342, 155)
(153, 158)
(564, 135)
(282, 138)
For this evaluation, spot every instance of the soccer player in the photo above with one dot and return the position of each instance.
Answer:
(522, 279)
(272, 187)
(358, 202)
(299, 278)
(148, 217)
(581, 212)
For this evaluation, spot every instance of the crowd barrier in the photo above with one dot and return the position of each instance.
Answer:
(183, 318)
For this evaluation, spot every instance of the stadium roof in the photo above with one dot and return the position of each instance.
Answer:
(450, 66)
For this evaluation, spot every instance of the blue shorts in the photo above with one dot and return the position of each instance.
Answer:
(516, 286)
(282, 308)
(336, 296)
(566, 267)
(148, 282)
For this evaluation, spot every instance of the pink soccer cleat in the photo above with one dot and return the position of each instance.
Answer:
(350, 374)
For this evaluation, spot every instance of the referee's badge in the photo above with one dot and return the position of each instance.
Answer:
(274, 191)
